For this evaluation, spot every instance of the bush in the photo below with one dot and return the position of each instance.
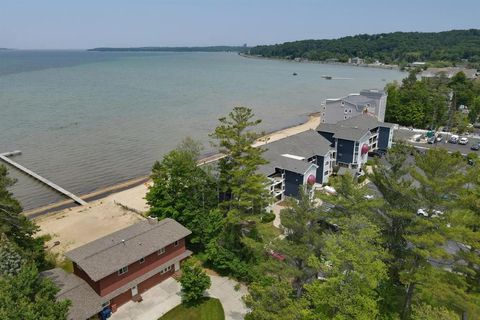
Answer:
(268, 217)
(361, 179)
(194, 282)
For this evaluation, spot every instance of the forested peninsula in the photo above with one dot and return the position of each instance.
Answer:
(438, 48)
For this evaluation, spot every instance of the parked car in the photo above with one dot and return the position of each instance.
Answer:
(439, 138)
(431, 140)
(463, 141)
(475, 147)
(453, 139)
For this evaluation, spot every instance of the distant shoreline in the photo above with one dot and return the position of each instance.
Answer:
(385, 66)
(173, 49)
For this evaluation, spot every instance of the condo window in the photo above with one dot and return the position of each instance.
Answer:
(142, 260)
(161, 251)
(122, 271)
(176, 243)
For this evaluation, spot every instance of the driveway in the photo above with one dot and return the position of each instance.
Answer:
(165, 296)
(156, 302)
(224, 290)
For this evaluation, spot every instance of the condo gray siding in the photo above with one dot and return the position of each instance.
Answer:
(370, 101)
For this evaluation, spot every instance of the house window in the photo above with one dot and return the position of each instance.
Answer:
(176, 243)
(166, 269)
(105, 304)
(122, 271)
(142, 260)
(345, 111)
(345, 117)
(161, 251)
(343, 103)
(350, 110)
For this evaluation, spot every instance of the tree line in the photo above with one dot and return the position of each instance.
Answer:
(24, 294)
(434, 102)
(455, 46)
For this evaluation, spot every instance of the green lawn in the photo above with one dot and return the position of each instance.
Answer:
(207, 309)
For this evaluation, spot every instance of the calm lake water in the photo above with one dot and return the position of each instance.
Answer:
(87, 120)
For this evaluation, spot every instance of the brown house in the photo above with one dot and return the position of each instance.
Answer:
(117, 268)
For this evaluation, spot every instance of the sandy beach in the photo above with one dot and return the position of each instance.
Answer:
(78, 225)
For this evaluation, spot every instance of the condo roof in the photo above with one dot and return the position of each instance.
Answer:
(365, 121)
(353, 128)
(106, 255)
(302, 145)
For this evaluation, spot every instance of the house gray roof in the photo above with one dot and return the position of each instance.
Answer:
(106, 255)
(85, 301)
(305, 144)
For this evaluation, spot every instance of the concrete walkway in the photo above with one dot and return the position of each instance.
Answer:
(165, 296)
(224, 290)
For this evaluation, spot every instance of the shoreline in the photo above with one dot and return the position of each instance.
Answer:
(312, 121)
(384, 67)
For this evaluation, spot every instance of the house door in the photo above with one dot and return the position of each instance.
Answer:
(134, 291)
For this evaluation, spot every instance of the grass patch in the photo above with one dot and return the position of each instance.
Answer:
(206, 309)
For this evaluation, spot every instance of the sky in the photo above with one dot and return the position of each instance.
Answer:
(81, 24)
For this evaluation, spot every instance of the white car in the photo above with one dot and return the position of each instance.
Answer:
(463, 141)
(425, 213)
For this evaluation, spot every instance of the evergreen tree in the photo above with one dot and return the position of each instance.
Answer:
(353, 270)
(17, 228)
(29, 296)
(302, 245)
(275, 301)
(242, 186)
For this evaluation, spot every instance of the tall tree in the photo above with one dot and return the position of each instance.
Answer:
(29, 296)
(275, 301)
(17, 228)
(185, 192)
(354, 269)
(242, 185)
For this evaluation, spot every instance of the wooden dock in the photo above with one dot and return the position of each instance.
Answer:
(4, 157)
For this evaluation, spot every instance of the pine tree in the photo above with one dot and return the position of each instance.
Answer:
(242, 186)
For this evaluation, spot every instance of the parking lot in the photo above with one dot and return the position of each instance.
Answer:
(407, 135)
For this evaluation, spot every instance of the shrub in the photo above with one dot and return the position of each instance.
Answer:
(361, 179)
(194, 282)
(268, 217)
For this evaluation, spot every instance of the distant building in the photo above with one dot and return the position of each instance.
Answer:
(369, 101)
(352, 139)
(448, 72)
(295, 159)
(418, 64)
(119, 267)
(356, 60)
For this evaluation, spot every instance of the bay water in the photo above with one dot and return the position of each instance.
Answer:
(87, 120)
